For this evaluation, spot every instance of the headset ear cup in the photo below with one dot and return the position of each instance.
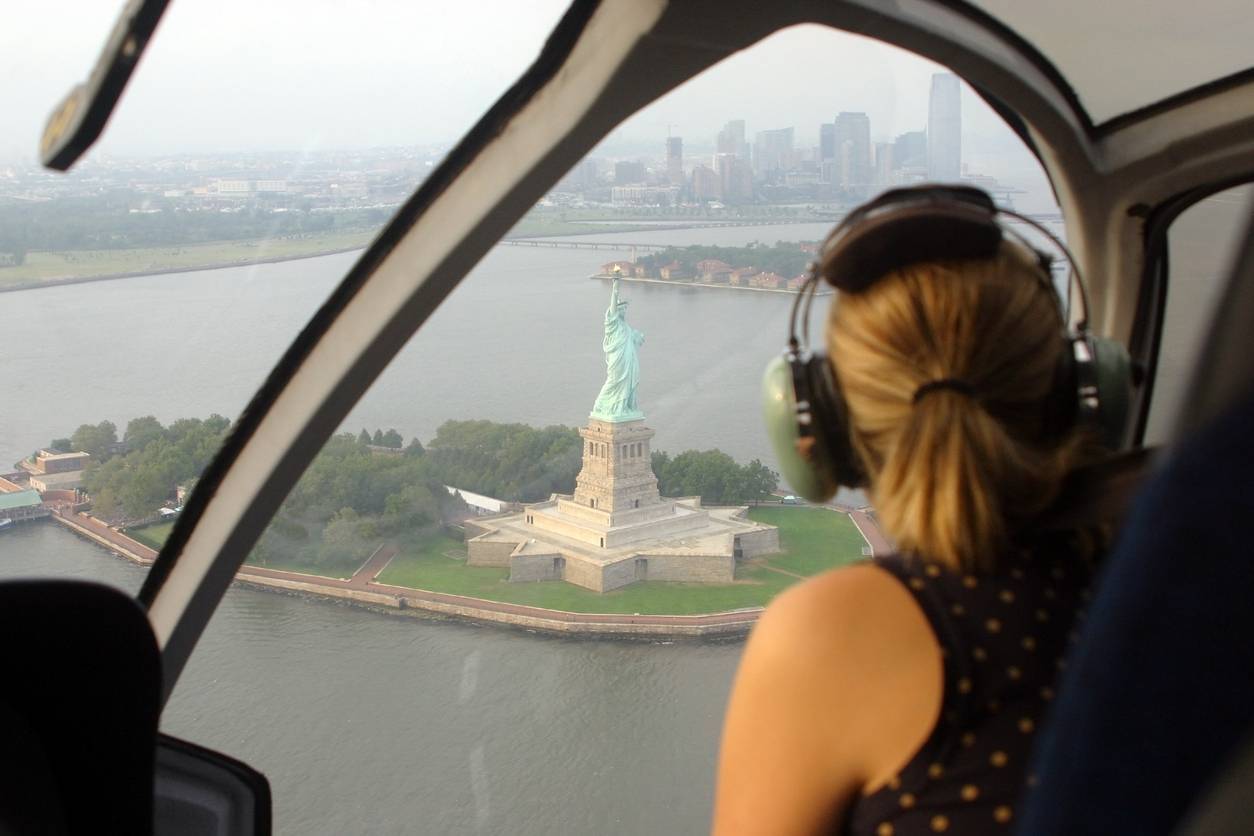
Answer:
(831, 419)
(785, 385)
(1112, 367)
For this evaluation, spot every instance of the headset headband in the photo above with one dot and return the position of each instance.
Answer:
(930, 223)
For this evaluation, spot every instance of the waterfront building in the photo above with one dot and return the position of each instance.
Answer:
(674, 270)
(66, 481)
(47, 461)
(713, 270)
(639, 194)
(944, 129)
(20, 506)
(616, 528)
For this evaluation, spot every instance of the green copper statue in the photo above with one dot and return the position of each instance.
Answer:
(617, 401)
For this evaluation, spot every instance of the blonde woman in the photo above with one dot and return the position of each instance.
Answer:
(901, 695)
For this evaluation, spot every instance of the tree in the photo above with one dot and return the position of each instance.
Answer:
(61, 445)
(97, 440)
(714, 476)
(364, 437)
(759, 481)
(140, 432)
(378, 438)
(415, 448)
(393, 439)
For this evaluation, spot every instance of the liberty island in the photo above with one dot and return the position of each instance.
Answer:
(616, 528)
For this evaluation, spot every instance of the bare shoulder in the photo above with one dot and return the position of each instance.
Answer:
(840, 682)
(855, 607)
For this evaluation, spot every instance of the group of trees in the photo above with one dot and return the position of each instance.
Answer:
(153, 461)
(391, 438)
(354, 495)
(348, 500)
(714, 476)
(785, 258)
(509, 461)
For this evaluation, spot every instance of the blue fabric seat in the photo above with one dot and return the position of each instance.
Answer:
(1159, 694)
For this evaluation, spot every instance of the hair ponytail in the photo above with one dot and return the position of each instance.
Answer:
(954, 473)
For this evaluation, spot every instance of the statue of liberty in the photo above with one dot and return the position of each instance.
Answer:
(617, 400)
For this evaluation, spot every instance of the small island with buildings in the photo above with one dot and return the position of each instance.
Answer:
(780, 268)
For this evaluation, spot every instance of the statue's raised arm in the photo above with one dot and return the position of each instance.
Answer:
(617, 399)
(614, 310)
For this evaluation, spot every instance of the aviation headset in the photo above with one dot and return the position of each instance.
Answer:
(805, 412)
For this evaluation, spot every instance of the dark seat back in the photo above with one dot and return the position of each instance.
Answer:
(1161, 689)
(78, 709)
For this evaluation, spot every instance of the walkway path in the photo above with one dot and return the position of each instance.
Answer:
(374, 566)
(363, 588)
(870, 531)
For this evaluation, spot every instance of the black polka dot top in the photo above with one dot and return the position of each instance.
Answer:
(1003, 639)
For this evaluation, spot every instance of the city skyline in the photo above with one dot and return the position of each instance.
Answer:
(209, 85)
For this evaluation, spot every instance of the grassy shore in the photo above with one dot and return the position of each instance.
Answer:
(83, 264)
(152, 536)
(813, 541)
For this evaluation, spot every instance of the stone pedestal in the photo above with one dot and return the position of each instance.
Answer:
(617, 474)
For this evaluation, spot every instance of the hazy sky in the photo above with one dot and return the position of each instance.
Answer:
(292, 74)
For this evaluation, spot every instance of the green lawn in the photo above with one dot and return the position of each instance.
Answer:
(44, 266)
(813, 539)
(152, 536)
(341, 569)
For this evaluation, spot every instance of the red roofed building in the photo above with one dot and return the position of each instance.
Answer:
(674, 270)
(771, 281)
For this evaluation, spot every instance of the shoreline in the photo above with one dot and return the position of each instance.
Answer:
(39, 284)
(822, 291)
(362, 590)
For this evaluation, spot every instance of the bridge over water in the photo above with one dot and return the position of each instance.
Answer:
(569, 242)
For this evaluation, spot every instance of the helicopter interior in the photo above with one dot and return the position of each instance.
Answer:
(1130, 146)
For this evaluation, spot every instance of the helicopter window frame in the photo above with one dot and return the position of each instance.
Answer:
(1145, 342)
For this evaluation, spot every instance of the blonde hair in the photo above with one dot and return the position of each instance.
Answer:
(955, 474)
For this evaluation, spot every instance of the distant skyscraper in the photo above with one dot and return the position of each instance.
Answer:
(883, 163)
(827, 142)
(944, 129)
(735, 178)
(705, 184)
(910, 150)
(731, 140)
(675, 160)
(773, 153)
(852, 137)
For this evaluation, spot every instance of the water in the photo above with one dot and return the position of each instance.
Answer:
(367, 722)
(370, 723)
(519, 340)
